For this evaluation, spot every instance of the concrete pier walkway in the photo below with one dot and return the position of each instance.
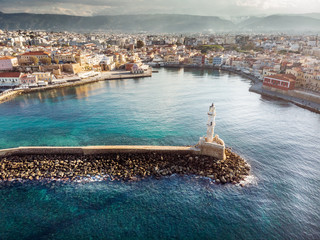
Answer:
(87, 150)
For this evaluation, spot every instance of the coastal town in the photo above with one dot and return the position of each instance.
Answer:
(39, 59)
(160, 120)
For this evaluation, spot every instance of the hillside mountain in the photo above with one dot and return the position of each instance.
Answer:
(283, 23)
(312, 15)
(129, 23)
(160, 23)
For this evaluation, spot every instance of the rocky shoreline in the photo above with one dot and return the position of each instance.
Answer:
(122, 166)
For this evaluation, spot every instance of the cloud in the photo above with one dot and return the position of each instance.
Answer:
(194, 7)
(59, 7)
(279, 6)
(269, 4)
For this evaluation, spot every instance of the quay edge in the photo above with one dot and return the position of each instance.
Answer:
(217, 152)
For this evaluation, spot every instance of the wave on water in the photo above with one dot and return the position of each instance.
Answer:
(249, 180)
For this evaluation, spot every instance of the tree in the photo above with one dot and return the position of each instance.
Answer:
(140, 44)
(46, 60)
(205, 48)
(35, 60)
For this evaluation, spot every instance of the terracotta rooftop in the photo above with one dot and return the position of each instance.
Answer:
(10, 74)
(36, 53)
(6, 58)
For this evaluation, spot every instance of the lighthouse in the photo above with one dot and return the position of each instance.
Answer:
(211, 123)
(211, 145)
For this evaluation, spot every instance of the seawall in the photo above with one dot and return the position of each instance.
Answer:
(208, 149)
(88, 150)
(302, 99)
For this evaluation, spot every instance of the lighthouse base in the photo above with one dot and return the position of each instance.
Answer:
(212, 149)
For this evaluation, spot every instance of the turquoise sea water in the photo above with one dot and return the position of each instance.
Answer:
(280, 141)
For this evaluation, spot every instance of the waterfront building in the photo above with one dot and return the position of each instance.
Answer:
(218, 60)
(43, 76)
(7, 63)
(136, 69)
(173, 59)
(10, 79)
(198, 59)
(29, 80)
(208, 60)
(280, 81)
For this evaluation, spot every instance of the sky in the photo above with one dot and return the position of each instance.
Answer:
(224, 8)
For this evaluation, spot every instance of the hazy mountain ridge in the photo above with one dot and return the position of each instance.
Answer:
(158, 23)
(299, 23)
(153, 23)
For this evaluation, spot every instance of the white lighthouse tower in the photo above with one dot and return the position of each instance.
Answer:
(211, 145)
(211, 123)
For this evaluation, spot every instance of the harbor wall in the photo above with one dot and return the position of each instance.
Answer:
(217, 151)
(302, 99)
(89, 150)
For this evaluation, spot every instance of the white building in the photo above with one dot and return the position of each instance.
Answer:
(7, 63)
(10, 79)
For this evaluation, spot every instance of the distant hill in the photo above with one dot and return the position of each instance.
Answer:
(283, 23)
(312, 15)
(129, 23)
(159, 23)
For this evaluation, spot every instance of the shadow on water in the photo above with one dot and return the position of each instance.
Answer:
(88, 207)
(196, 72)
(275, 101)
(137, 80)
(172, 70)
(204, 72)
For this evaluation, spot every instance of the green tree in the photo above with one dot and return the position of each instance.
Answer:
(35, 60)
(248, 47)
(205, 48)
(46, 60)
(140, 44)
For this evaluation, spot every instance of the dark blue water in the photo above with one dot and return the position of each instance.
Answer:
(280, 141)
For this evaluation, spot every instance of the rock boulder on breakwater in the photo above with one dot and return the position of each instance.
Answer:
(122, 166)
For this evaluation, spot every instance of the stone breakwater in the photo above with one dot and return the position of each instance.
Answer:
(122, 166)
